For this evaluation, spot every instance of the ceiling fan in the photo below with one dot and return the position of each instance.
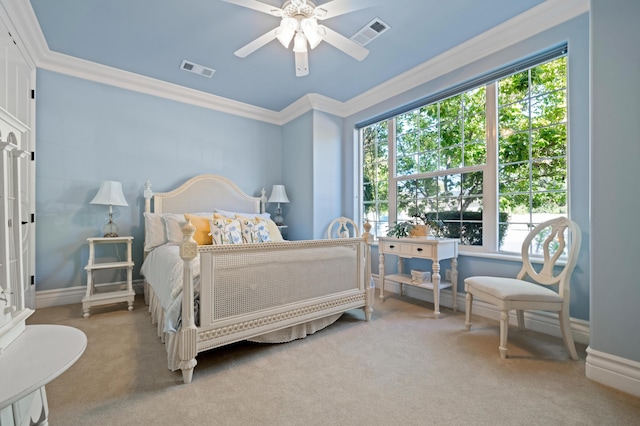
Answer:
(300, 23)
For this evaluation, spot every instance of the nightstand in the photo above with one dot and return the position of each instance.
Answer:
(94, 298)
(283, 230)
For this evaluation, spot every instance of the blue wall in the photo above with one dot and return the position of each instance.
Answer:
(615, 145)
(297, 155)
(576, 33)
(89, 132)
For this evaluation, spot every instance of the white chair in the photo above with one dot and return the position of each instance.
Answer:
(342, 227)
(520, 295)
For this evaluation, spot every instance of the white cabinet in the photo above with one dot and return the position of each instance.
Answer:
(17, 173)
(95, 298)
(434, 249)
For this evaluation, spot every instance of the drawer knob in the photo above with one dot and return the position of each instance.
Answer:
(419, 248)
(392, 246)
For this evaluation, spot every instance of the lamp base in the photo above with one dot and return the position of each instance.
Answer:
(110, 230)
(278, 219)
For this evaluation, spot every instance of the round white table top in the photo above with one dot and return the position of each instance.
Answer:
(39, 355)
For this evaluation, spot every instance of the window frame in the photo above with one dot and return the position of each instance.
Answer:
(490, 169)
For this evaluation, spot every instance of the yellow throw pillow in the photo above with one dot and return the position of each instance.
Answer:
(201, 223)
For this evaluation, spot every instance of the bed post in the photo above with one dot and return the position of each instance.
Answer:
(148, 193)
(263, 201)
(368, 281)
(188, 330)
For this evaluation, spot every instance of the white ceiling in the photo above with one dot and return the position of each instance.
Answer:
(152, 38)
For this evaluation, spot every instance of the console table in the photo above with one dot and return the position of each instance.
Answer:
(40, 354)
(434, 249)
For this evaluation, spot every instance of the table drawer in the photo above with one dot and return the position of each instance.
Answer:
(408, 249)
(396, 248)
(420, 250)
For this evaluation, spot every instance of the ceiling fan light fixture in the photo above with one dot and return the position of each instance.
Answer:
(311, 31)
(300, 43)
(299, 22)
(286, 31)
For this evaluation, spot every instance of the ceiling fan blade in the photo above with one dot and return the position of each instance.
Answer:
(302, 64)
(257, 5)
(339, 41)
(340, 7)
(256, 44)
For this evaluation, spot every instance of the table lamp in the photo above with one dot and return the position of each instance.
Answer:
(110, 194)
(278, 195)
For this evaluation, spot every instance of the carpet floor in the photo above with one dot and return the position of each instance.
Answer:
(403, 367)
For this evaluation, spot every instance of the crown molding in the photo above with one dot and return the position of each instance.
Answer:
(23, 19)
(87, 70)
(527, 24)
(540, 18)
(312, 101)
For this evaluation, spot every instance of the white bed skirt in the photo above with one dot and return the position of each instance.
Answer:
(170, 339)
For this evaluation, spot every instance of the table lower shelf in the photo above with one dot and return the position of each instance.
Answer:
(406, 279)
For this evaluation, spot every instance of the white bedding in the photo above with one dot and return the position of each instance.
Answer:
(164, 265)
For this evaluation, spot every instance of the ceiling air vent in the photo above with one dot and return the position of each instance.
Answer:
(197, 69)
(370, 31)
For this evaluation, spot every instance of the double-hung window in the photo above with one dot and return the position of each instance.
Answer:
(487, 160)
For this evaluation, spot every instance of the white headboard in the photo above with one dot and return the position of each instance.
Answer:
(203, 193)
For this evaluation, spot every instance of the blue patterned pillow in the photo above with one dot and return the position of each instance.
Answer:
(225, 230)
(254, 229)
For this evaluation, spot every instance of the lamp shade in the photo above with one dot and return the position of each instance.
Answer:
(311, 31)
(286, 31)
(110, 194)
(278, 194)
(299, 43)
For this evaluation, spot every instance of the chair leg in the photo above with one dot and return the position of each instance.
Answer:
(567, 337)
(520, 316)
(469, 301)
(504, 330)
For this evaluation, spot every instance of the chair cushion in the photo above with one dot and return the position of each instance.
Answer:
(511, 289)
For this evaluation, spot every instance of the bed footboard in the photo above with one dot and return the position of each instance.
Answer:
(248, 290)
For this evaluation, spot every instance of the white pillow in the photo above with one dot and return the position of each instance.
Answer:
(154, 231)
(173, 223)
(232, 215)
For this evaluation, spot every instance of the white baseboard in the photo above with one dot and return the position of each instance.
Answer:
(613, 371)
(72, 295)
(543, 322)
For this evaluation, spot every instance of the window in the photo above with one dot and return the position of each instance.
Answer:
(489, 161)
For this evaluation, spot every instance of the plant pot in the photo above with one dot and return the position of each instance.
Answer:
(420, 231)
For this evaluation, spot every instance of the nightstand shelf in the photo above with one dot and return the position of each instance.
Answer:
(96, 298)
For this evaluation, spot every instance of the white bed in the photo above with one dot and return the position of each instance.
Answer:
(206, 296)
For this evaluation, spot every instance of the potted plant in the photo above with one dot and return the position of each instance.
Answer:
(400, 230)
(420, 227)
(433, 226)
